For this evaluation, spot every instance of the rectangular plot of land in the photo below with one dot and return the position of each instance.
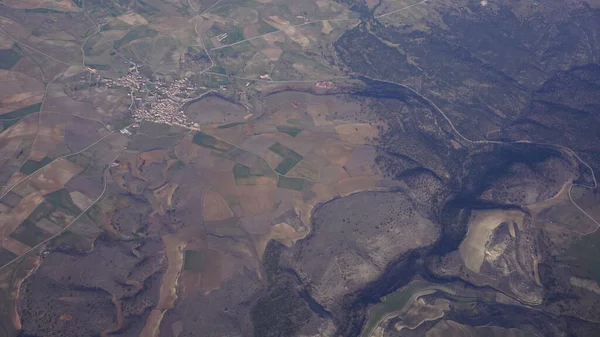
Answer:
(284, 152)
(29, 234)
(286, 165)
(11, 199)
(4, 208)
(290, 130)
(210, 142)
(6, 256)
(20, 113)
(62, 198)
(41, 211)
(193, 260)
(295, 184)
(48, 226)
(241, 171)
(230, 125)
(31, 166)
(15, 247)
(9, 57)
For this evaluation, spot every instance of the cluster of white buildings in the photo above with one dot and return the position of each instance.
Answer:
(166, 105)
(134, 81)
(162, 104)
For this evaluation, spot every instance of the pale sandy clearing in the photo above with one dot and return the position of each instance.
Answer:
(481, 226)
(14, 83)
(54, 176)
(326, 29)
(133, 19)
(81, 200)
(561, 197)
(165, 193)
(20, 100)
(272, 53)
(10, 221)
(14, 246)
(586, 284)
(258, 199)
(278, 21)
(168, 288)
(214, 207)
(281, 232)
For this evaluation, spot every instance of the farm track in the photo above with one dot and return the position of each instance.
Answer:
(207, 72)
(70, 223)
(318, 21)
(54, 160)
(41, 111)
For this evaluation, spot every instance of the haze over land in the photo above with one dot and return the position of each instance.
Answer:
(291, 168)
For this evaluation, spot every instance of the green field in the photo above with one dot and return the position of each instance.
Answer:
(215, 80)
(234, 35)
(29, 234)
(295, 184)
(8, 58)
(98, 66)
(241, 171)
(31, 166)
(20, 113)
(219, 70)
(284, 152)
(210, 142)
(193, 260)
(145, 9)
(6, 256)
(392, 302)
(290, 130)
(115, 24)
(7, 124)
(230, 125)
(265, 28)
(290, 158)
(154, 129)
(286, 165)
(245, 175)
(88, 48)
(61, 198)
(40, 212)
(42, 11)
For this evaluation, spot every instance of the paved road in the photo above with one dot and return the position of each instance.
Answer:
(561, 147)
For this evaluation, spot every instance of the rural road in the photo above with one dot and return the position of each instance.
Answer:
(460, 135)
(317, 21)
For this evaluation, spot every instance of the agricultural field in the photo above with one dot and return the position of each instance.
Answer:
(284, 168)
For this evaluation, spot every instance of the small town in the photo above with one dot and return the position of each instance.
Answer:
(162, 104)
